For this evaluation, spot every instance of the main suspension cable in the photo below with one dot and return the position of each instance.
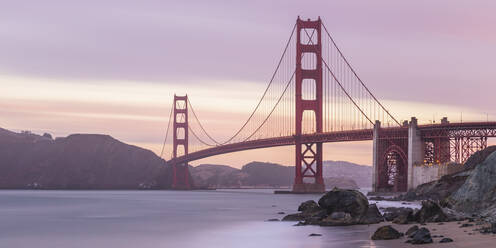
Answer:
(356, 75)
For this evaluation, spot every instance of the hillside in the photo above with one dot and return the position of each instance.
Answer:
(79, 161)
(362, 174)
(264, 174)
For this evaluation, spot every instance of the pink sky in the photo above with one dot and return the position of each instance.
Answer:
(113, 66)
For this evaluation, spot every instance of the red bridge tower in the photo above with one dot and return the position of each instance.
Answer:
(180, 172)
(308, 154)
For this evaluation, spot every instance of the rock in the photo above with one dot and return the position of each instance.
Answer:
(348, 201)
(308, 206)
(314, 234)
(409, 196)
(409, 233)
(281, 213)
(273, 220)
(466, 225)
(391, 213)
(402, 219)
(337, 219)
(294, 217)
(373, 216)
(386, 233)
(430, 212)
(377, 198)
(421, 236)
(446, 240)
(478, 193)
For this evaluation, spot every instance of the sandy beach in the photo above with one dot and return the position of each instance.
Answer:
(462, 237)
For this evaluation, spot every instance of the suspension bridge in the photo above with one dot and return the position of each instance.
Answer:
(315, 96)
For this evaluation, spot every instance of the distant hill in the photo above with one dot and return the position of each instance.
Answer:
(264, 174)
(362, 174)
(79, 161)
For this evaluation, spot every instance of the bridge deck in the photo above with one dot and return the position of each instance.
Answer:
(486, 129)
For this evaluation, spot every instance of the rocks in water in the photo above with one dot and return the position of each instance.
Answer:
(392, 213)
(430, 212)
(337, 219)
(421, 236)
(281, 213)
(372, 216)
(341, 200)
(337, 207)
(314, 235)
(409, 233)
(386, 233)
(446, 240)
(273, 220)
(308, 206)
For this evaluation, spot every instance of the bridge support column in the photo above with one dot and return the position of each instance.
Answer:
(415, 150)
(308, 159)
(375, 156)
(180, 172)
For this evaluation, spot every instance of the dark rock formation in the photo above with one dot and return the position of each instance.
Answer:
(421, 236)
(478, 193)
(348, 201)
(447, 185)
(402, 213)
(338, 207)
(79, 161)
(309, 206)
(446, 240)
(430, 212)
(411, 231)
(386, 233)
(373, 216)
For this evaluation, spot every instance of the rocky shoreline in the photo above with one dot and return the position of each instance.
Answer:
(464, 200)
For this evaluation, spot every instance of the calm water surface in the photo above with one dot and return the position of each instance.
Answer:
(124, 219)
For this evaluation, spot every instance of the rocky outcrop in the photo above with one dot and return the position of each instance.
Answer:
(447, 185)
(430, 212)
(478, 193)
(338, 207)
(79, 161)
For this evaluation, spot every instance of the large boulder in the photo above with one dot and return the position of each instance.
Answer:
(347, 201)
(386, 233)
(430, 212)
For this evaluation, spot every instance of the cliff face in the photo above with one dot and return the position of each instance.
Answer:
(79, 161)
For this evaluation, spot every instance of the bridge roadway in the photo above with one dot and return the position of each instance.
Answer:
(474, 129)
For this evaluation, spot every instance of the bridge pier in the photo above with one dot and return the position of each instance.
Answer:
(415, 150)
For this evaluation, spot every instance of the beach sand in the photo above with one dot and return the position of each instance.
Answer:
(462, 237)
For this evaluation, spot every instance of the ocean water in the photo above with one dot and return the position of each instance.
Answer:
(125, 219)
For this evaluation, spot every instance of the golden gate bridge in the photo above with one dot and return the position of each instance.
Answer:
(315, 96)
